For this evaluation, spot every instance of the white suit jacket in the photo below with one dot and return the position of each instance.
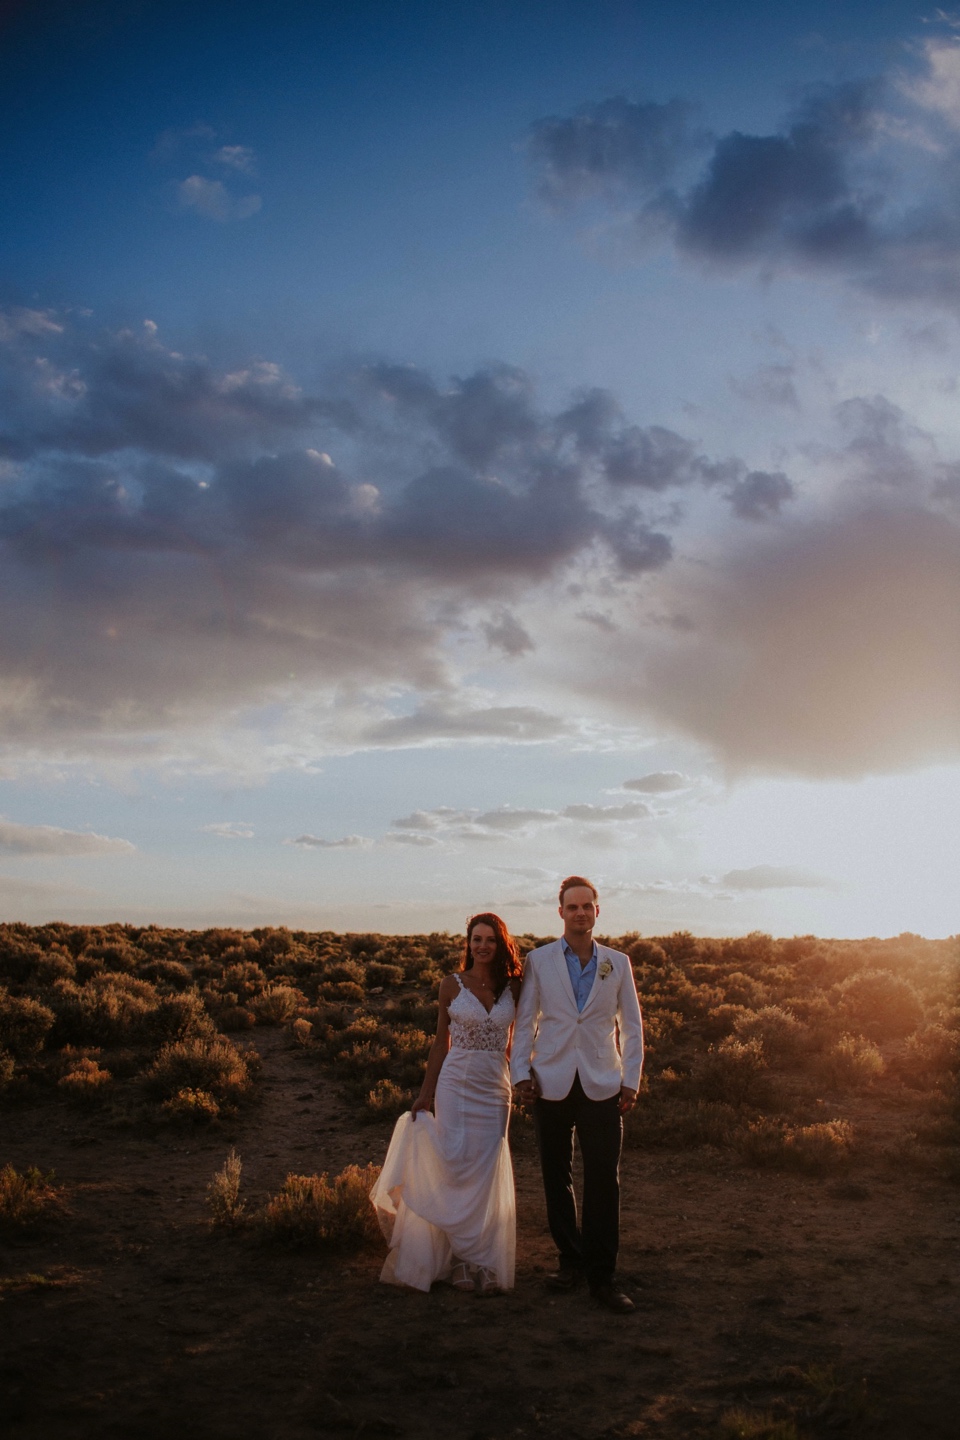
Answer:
(552, 1040)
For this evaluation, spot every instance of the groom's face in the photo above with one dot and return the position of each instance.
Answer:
(579, 910)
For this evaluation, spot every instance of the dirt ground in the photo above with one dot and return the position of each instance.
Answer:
(835, 1302)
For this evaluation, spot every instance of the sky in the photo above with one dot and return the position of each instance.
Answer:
(446, 447)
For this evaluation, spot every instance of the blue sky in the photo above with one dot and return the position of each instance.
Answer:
(443, 447)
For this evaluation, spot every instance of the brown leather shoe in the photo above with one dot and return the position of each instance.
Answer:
(568, 1277)
(612, 1299)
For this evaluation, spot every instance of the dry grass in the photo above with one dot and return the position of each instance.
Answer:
(386, 1101)
(223, 1193)
(311, 1210)
(27, 1197)
(814, 1149)
(85, 1081)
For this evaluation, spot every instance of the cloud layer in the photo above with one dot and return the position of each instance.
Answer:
(178, 540)
(859, 181)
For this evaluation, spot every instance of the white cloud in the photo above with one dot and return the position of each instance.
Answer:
(229, 830)
(237, 157)
(18, 839)
(316, 842)
(212, 199)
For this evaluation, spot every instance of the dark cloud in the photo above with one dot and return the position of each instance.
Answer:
(653, 459)
(507, 634)
(859, 182)
(613, 145)
(179, 540)
(658, 782)
(760, 494)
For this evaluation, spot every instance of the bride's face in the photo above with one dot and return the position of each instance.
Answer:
(483, 944)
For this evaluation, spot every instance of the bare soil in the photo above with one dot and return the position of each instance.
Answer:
(834, 1302)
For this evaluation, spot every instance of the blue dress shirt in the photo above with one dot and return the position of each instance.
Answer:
(581, 976)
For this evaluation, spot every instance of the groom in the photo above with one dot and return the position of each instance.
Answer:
(577, 1056)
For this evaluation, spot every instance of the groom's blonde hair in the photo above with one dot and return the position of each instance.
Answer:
(571, 883)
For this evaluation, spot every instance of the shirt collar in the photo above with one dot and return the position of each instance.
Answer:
(572, 954)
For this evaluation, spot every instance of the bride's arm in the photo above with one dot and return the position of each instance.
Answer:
(438, 1050)
(515, 992)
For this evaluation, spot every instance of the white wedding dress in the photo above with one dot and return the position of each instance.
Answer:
(446, 1188)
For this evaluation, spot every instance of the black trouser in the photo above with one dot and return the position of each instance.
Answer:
(592, 1244)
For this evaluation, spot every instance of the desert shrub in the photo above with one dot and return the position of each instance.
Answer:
(277, 1004)
(27, 1196)
(347, 992)
(814, 1149)
(386, 1101)
(302, 1031)
(762, 1142)
(880, 1005)
(223, 1193)
(244, 979)
(7, 1068)
(53, 965)
(19, 957)
(382, 974)
(741, 989)
(24, 1024)
(646, 953)
(674, 1123)
(733, 1072)
(211, 1066)
(177, 1017)
(780, 1033)
(740, 1424)
(85, 1080)
(930, 1055)
(167, 972)
(347, 971)
(196, 1107)
(721, 1021)
(236, 1017)
(851, 1061)
(117, 955)
(820, 1147)
(330, 1214)
(106, 1010)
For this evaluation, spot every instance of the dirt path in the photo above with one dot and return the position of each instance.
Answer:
(156, 1325)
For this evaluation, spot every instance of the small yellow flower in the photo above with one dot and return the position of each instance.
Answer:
(604, 969)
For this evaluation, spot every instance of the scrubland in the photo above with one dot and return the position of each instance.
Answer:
(192, 1120)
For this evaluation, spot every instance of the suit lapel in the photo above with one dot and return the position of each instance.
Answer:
(597, 982)
(563, 976)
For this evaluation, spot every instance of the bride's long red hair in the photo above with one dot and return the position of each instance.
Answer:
(507, 964)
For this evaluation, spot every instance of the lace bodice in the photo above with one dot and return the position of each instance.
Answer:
(471, 1028)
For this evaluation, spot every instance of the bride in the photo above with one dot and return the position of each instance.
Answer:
(445, 1198)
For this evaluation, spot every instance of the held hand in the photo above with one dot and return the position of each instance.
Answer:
(422, 1102)
(526, 1092)
(628, 1098)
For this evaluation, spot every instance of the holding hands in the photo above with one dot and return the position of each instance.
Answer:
(525, 1092)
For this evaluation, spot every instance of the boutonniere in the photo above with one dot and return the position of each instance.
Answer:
(604, 969)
